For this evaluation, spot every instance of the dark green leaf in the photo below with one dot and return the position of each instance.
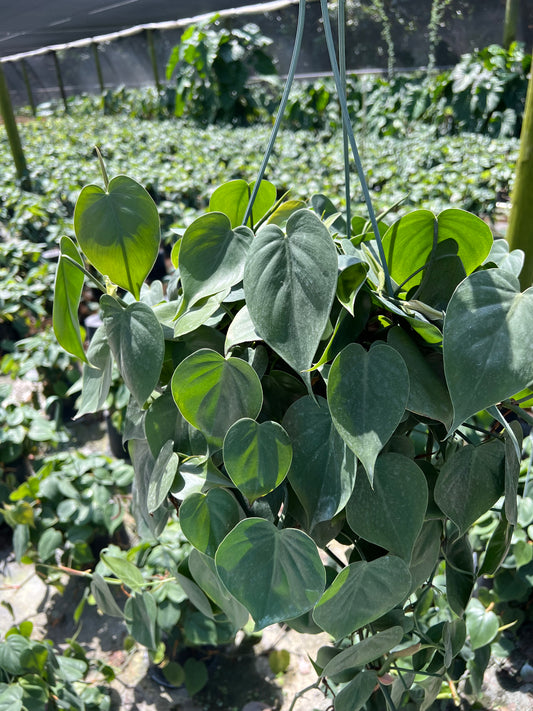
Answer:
(323, 468)
(136, 338)
(381, 381)
(289, 282)
(391, 513)
(118, 231)
(257, 456)
(366, 651)
(425, 553)
(512, 471)
(354, 695)
(104, 598)
(162, 477)
(470, 482)
(212, 256)
(196, 676)
(49, 541)
(141, 612)
(212, 393)
(164, 421)
(459, 574)
(275, 574)
(428, 395)
(487, 329)
(207, 518)
(363, 591)
(97, 374)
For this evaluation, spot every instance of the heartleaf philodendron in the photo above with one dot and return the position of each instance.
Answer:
(378, 458)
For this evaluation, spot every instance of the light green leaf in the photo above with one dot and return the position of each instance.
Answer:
(207, 518)
(275, 574)
(349, 284)
(367, 396)
(487, 332)
(232, 199)
(428, 395)
(212, 256)
(257, 456)
(118, 231)
(363, 591)
(241, 330)
(136, 339)
(67, 294)
(323, 468)
(192, 317)
(49, 541)
(125, 571)
(391, 512)
(72, 669)
(162, 477)
(470, 482)
(289, 282)
(11, 698)
(409, 242)
(482, 625)
(212, 393)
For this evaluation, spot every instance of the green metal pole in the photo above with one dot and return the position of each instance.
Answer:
(520, 229)
(6, 109)
(26, 78)
(510, 22)
(60, 81)
(98, 67)
(153, 58)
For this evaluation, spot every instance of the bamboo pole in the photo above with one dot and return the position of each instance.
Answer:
(26, 78)
(98, 67)
(6, 109)
(60, 80)
(511, 22)
(153, 58)
(520, 229)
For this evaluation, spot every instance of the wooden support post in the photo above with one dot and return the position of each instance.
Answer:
(6, 109)
(153, 58)
(60, 80)
(98, 67)
(26, 78)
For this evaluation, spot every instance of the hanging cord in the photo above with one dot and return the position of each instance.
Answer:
(281, 110)
(345, 146)
(347, 125)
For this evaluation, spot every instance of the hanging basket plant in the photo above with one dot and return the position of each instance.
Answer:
(315, 386)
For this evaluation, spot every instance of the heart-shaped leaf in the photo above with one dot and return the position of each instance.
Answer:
(232, 199)
(482, 625)
(67, 292)
(136, 339)
(409, 242)
(470, 482)
(363, 591)
(487, 331)
(391, 513)
(212, 256)
(290, 281)
(275, 574)
(367, 396)
(207, 518)
(212, 393)
(118, 231)
(257, 456)
(323, 468)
